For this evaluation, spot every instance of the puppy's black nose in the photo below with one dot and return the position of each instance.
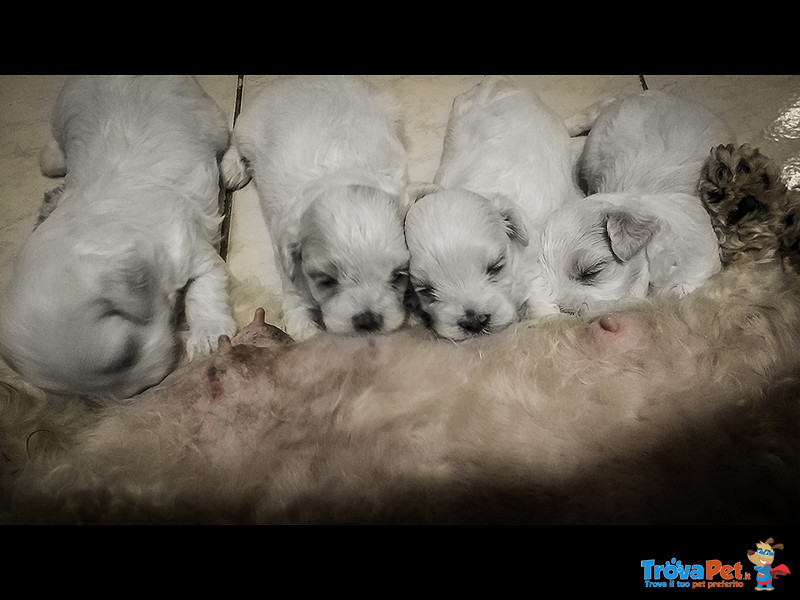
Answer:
(367, 322)
(474, 322)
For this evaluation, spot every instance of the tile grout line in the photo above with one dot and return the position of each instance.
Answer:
(226, 196)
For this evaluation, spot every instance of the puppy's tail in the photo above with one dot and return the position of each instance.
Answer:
(581, 122)
(234, 169)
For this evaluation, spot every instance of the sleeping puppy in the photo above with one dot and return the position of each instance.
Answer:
(611, 247)
(330, 170)
(92, 305)
(642, 230)
(651, 142)
(473, 234)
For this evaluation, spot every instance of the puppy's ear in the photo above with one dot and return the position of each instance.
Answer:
(628, 233)
(128, 286)
(291, 257)
(512, 218)
(417, 190)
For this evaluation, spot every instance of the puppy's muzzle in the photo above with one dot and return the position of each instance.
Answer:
(475, 323)
(367, 322)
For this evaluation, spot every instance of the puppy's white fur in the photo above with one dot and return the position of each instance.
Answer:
(330, 170)
(473, 238)
(642, 229)
(611, 247)
(650, 142)
(91, 306)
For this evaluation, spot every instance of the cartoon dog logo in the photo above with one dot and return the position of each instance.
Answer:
(763, 559)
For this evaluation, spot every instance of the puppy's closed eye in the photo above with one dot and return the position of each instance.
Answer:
(399, 277)
(588, 274)
(324, 281)
(425, 291)
(496, 267)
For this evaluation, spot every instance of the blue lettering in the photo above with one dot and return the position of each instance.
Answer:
(648, 568)
(672, 570)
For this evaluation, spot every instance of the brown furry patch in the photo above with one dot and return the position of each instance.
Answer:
(752, 211)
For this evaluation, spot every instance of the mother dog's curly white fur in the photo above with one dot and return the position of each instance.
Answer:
(330, 170)
(679, 411)
(473, 235)
(92, 305)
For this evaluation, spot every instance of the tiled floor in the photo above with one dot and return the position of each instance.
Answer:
(763, 110)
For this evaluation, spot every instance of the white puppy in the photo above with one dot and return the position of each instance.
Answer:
(650, 142)
(609, 247)
(642, 230)
(92, 306)
(506, 164)
(330, 170)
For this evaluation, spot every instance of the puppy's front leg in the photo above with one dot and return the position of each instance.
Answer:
(208, 314)
(536, 308)
(538, 303)
(298, 316)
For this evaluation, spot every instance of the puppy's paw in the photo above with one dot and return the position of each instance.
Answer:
(299, 324)
(535, 309)
(52, 161)
(203, 337)
(234, 169)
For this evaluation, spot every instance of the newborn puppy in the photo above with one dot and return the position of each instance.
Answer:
(330, 170)
(92, 306)
(467, 263)
(610, 247)
(650, 143)
(642, 230)
(473, 237)
(753, 214)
